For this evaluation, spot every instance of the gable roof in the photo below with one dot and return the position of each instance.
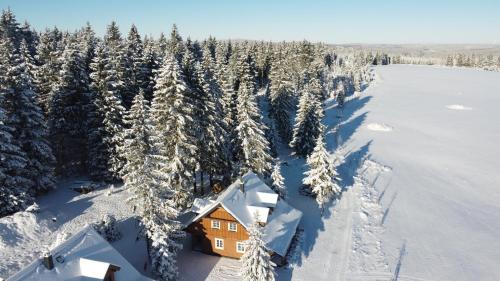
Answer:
(257, 198)
(84, 256)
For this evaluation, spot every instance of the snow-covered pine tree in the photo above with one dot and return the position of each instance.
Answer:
(229, 105)
(172, 139)
(314, 85)
(280, 96)
(48, 63)
(116, 65)
(307, 124)
(152, 198)
(136, 141)
(108, 108)
(321, 177)
(26, 117)
(68, 112)
(175, 46)
(134, 62)
(254, 153)
(88, 43)
(256, 261)
(14, 186)
(164, 235)
(150, 59)
(9, 28)
(97, 152)
(278, 184)
(214, 127)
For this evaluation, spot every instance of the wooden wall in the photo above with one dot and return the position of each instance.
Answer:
(204, 235)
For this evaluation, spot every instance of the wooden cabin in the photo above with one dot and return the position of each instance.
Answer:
(219, 227)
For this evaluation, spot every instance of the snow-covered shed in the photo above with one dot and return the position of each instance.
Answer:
(247, 200)
(84, 256)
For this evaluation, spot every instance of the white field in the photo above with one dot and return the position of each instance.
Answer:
(418, 156)
(426, 203)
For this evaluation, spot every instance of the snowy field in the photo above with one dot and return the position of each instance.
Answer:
(425, 201)
(418, 156)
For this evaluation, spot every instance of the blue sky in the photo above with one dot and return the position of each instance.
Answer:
(349, 21)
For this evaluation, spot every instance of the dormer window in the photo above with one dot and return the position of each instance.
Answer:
(215, 224)
(232, 226)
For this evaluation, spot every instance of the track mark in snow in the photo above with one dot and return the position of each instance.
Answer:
(366, 254)
(458, 107)
(379, 127)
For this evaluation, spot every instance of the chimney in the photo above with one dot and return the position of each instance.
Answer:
(48, 261)
(242, 185)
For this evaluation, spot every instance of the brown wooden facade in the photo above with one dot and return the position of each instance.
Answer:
(204, 235)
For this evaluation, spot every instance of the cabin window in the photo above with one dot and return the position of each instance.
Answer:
(240, 247)
(232, 226)
(216, 224)
(219, 243)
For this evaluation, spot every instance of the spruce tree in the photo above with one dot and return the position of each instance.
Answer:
(175, 45)
(68, 112)
(135, 65)
(107, 135)
(215, 143)
(256, 261)
(117, 67)
(27, 118)
(229, 101)
(172, 139)
(14, 186)
(321, 177)
(150, 59)
(254, 154)
(49, 64)
(278, 184)
(136, 141)
(307, 124)
(97, 151)
(280, 97)
(152, 198)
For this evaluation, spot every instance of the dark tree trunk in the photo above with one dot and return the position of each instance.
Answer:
(202, 187)
(194, 185)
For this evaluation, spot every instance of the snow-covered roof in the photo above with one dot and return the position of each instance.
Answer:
(255, 203)
(84, 256)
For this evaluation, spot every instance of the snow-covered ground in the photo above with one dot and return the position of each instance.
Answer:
(24, 236)
(418, 156)
(422, 199)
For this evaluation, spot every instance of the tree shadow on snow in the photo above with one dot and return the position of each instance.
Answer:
(351, 164)
(340, 126)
